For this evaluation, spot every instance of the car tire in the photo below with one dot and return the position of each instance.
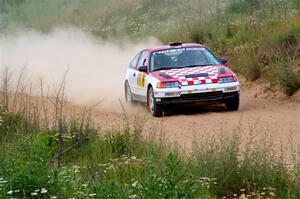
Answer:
(233, 104)
(128, 94)
(154, 108)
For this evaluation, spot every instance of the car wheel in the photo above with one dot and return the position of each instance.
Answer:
(233, 104)
(153, 107)
(128, 94)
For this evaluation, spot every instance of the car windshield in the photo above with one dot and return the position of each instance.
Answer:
(182, 58)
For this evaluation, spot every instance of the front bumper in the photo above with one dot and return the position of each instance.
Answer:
(198, 93)
(198, 97)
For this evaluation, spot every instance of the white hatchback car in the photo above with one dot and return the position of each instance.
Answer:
(180, 73)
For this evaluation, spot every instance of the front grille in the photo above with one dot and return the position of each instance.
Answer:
(203, 96)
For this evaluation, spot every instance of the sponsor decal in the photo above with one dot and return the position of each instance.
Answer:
(141, 80)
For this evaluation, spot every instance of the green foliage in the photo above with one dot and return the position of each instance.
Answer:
(245, 62)
(263, 6)
(280, 74)
(154, 4)
(25, 165)
(124, 164)
(217, 159)
(6, 4)
(10, 124)
(12, 2)
(243, 6)
(254, 169)
(296, 4)
(111, 190)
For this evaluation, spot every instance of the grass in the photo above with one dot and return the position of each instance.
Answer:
(124, 164)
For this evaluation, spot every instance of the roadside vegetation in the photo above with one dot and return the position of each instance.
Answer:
(48, 151)
(51, 149)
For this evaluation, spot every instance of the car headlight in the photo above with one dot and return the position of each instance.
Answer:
(223, 80)
(168, 85)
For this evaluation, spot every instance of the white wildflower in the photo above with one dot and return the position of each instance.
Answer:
(133, 196)
(135, 184)
(133, 158)
(76, 169)
(44, 190)
(10, 192)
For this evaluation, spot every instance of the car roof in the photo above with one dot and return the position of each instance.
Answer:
(167, 47)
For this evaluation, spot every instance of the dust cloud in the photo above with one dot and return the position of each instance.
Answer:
(96, 67)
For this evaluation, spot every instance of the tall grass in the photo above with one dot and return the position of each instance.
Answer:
(124, 164)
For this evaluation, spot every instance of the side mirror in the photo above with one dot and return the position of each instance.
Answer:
(142, 69)
(223, 60)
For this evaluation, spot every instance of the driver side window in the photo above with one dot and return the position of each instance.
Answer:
(133, 63)
(143, 60)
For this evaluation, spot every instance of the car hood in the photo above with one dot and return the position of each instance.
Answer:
(193, 75)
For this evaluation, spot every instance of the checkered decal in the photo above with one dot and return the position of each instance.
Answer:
(180, 74)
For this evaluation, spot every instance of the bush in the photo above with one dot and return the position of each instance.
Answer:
(245, 62)
(280, 74)
(244, 6)
(13, 125)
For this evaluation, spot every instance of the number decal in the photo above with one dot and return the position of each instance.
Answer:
(141, 80)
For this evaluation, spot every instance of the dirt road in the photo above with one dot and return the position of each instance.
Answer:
(257, 115)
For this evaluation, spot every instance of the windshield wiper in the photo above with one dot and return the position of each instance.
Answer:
(164, 68)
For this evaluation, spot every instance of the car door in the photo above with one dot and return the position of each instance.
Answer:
(141, 89)
(131, 74)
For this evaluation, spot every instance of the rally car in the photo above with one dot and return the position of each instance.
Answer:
(180, 73)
